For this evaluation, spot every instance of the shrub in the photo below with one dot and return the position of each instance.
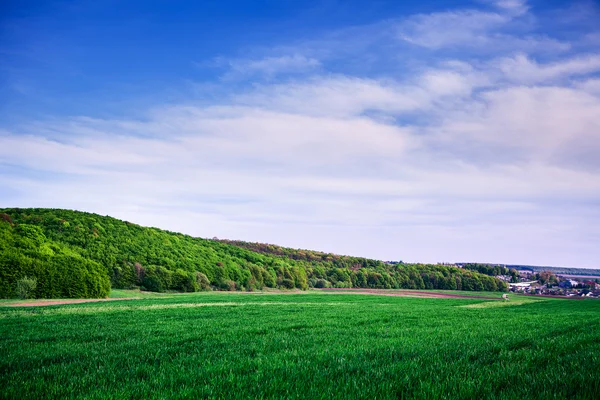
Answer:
(203, 282)
(322, 283)
(157, 279)
(124, 277)
(184, 281)
(228, 285)
(288, 283)
(152, 283)
(269, 279)
(253, 285)
(25, 287)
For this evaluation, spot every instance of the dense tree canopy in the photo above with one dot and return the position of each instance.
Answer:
(77, 254)
(25, 252)
(488, 269)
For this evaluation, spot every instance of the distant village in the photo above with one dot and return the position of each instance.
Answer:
(557, 285)
(551, 283)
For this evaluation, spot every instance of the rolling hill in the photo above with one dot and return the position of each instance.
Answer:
(79, 254)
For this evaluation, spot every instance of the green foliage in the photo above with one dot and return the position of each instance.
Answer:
(320, 283)
(94, 250)
(228, 285)
(157, 279)
(30, 236)
(287, 283)
(547, 277)
(487, 269)
(25, 287)
(202, 282)
(185, 281)
(59, 272)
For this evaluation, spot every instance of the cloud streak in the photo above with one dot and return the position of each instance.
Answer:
(270, 67)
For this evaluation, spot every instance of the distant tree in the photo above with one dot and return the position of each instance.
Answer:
(202, 281)
(228, 285)
(26, 287)
(184, 281)
(287, 283)
(322, 283)
(547, 277)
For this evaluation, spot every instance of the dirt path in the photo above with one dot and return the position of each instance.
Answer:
(376, 292)
(42, 303)
(409, 293)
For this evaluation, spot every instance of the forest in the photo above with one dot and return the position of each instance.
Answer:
(507, 269)
(78, 254)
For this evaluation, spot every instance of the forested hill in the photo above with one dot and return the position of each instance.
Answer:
(77, 254)
(313, 256)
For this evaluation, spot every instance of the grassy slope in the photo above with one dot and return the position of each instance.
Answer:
(224, 345)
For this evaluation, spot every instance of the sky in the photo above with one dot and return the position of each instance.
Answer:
(439, 131)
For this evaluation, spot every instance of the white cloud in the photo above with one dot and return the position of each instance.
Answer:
(466, 28)
(551, 126)
(339, 96)
(269, 67)
(508, 29)
(591, 86)
(522, 69)
(341, 152)
(342, 96)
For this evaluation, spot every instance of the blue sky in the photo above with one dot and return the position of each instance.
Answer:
(423, 131)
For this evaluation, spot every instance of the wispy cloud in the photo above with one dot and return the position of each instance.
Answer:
(513, 7)
(522, 69)
(453, 28)
(269, 67)
(508, 27)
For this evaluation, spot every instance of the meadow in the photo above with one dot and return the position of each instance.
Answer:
(306, 345)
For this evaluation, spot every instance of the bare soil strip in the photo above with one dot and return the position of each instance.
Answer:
(376, 292)
(408, 293)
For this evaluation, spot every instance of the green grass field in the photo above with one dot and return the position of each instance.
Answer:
(311, 346)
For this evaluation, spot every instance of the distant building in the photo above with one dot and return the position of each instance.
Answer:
(565, 285)
(521, 286)
(568, 284)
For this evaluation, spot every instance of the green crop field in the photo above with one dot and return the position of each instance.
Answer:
(314, 345)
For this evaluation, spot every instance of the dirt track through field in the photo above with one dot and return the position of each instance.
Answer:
(408, 293)
(376, 292)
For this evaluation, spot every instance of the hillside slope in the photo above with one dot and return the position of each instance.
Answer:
(133, 256)
(311, 256)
